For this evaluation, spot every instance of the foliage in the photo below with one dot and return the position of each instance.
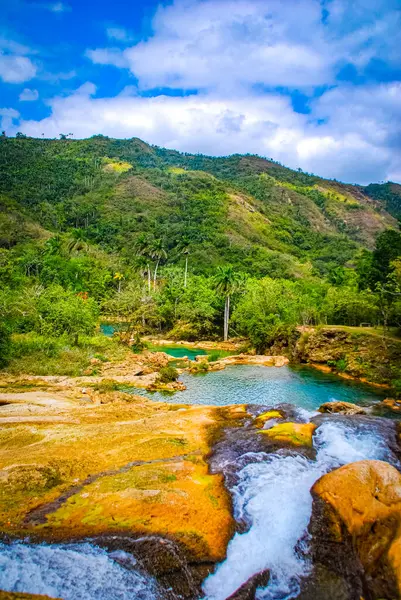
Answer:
(177, 243)
(168, 374)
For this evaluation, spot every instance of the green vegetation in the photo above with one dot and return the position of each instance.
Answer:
(168, 374)
(179, 244)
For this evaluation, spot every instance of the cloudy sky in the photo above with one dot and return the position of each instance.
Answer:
(315, 84)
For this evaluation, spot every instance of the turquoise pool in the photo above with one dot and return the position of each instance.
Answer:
(304, 387)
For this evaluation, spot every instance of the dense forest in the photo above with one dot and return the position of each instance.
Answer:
(188, 245)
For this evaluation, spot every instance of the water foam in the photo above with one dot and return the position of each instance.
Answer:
(71, 571)
(273, 496)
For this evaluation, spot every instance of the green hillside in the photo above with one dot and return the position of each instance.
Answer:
(117, 222)
(245, 210)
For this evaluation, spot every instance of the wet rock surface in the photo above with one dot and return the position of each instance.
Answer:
(356, 533)
(247, 591)
(344, 408)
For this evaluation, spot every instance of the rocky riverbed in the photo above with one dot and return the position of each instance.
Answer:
(186, 501)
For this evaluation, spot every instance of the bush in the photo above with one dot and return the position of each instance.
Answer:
(106, 385)
(197, 368)
(168, 374)
(5, 343)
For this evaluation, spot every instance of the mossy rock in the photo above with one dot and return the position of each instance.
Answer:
(267, 416)
(295, 434)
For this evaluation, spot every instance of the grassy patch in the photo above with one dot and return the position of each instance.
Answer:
(34, 354)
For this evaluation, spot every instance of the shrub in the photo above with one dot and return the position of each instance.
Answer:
(168, 374)
(5, 343)
(106, 385)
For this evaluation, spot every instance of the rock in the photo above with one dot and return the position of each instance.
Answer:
(257, 359)
(267, 416)
(161, 558)
(157, 359)
(248, 589)
(391, 404)
(95, 361)
(344, 408)
(296, 434)
(356, 528)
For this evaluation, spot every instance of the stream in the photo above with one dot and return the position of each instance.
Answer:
(270, 492)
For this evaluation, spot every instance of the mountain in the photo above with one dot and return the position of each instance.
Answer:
(260, 216)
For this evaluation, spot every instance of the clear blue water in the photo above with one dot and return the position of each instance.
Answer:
(176, 351)
(248, 384)
(179, 351)
(107, 329)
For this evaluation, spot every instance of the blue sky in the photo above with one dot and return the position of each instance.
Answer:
(315, 84)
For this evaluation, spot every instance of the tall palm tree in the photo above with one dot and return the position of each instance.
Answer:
(157, 252)
(118, 277)
(143, 247)
(227, 281)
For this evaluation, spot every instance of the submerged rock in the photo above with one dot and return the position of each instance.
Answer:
(356, 532)
(295, 434)
(344, 408)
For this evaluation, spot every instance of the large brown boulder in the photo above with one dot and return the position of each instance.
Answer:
(356, 529)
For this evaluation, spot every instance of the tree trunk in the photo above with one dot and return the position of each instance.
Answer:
(119, 285)
(186, 272)
(155, 275)
(226, 317)
(149, 278)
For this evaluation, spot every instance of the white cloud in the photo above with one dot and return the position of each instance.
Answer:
(118, 33)
(220, 44)
(16, 69)
(107, 56)
(59, 7)
(7, 117)
(28, 95)
(354, 146)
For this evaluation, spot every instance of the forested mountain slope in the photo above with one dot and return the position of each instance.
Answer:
(259, 216)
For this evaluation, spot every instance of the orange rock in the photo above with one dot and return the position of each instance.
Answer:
(363, 499)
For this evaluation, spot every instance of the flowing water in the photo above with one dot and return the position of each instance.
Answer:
(251, 384)
(72, 571)
(271, 495)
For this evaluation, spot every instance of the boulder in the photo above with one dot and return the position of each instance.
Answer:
(356, 529)
(343, 408)
(295, 434)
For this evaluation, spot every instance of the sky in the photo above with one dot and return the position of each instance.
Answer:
(314, 84)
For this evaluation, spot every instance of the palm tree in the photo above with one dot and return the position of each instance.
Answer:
(53, 245)
(118, 276)
(78, 241)
(227, 281)
(157, 253)
(143, 247)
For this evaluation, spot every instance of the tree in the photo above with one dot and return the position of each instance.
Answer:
(118, 277)
(227, 281)
(157, 252)
(143, 246)
(78, 241)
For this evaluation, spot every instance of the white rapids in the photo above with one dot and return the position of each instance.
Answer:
(71, 571)
(273, 495)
